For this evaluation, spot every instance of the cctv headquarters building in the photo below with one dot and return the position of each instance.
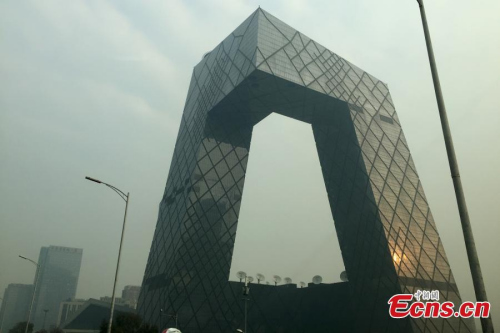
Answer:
(386, 232)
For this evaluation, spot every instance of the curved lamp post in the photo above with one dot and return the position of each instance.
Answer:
(125, 198)
(34, 291)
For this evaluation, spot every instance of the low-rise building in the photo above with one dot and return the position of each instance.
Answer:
(67, 309)
(90, 315)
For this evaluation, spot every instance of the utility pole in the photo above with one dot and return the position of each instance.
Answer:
(475, 268)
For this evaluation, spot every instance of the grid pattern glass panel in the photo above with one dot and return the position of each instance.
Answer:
(386, 232)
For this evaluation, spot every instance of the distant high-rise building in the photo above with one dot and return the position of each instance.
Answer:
(58, 279)
(130, 295)
(15, 305)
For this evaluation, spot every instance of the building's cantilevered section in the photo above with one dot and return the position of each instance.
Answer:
(386, 232)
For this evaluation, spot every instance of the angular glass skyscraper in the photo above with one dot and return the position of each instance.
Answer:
(386, 232)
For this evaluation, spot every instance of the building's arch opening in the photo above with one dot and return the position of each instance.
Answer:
(285, 224)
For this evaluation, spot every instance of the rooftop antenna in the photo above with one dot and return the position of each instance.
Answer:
(288, 280)
(260, 277)
(241, 275)
(302, 284)
(276, 279)
(317, 279)
(249, 279)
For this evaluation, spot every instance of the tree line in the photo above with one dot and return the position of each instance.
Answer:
(123, 323)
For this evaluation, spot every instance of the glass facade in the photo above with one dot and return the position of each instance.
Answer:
(57, 282)
(386, 232)
(15, 305)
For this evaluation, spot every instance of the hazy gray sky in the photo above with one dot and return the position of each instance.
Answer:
(97, 88)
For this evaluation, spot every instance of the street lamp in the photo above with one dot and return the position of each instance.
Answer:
(246, 291)
(470, 246)
(34, 291)
(172, 316)
(125, 198)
